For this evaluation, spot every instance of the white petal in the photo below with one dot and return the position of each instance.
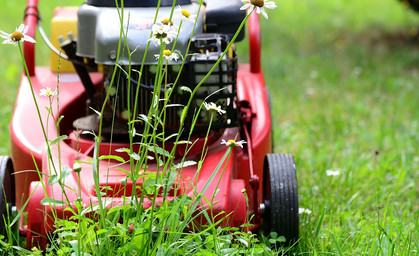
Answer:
(244, 7)
(21, 28)
(270, 5)
(250, 10)
(262, 10)
(29, 39)
(25, 29)
(4, 34)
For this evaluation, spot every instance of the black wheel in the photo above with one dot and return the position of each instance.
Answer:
(7, 190)
(280, 197)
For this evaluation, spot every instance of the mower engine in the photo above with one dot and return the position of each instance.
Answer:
(119, 45)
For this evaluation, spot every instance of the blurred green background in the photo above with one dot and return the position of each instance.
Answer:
(343, 79)
(11, 68)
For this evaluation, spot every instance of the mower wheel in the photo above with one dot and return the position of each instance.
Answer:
(280, 197)
(7, 190)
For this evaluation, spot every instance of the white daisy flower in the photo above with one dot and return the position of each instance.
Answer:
(214, 108)
(184, 14)
(332, 173)
(47, 92)
(18, 36)
(304, 211)
(260, 5)
(164, 33)
(233, 143)
(168, 55)
(76, 167)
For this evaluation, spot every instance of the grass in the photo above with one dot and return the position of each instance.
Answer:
(343, 78)
(345, 97)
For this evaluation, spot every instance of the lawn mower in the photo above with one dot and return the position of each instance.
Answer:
(85, 60)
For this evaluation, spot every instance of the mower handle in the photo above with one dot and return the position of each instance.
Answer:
(31, 20)
(254, 42)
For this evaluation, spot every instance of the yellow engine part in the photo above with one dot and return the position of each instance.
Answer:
(63, 22)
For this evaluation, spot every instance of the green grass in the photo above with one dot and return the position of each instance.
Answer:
(344, 79)
(344, 88)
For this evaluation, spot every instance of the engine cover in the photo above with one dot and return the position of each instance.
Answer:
(99, 32)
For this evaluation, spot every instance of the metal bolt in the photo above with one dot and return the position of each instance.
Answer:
(70, 36)
(262, 209)
(112, 55)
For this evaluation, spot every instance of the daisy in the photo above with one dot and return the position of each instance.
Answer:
(332, 173)
(214, 108)
(76, 167)
(304, 210)
(168, 55)
(47, 92)
(260, 5)
(167, 21)
(164, 33)
(185, 14)
(233, 143)
(18, 36)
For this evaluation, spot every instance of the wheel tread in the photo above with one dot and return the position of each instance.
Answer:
(283, 187)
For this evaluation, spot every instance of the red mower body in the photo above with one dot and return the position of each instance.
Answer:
(242, 173)
(28, 147)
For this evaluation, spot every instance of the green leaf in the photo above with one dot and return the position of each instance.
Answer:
(274, 235)
(53, 179)
(57, 140)
(59, 120)
(88, 132)
(183, 115)
(184, 164)
(94, 110)
(156, 149)
(52, 202)
(126, 150)
(65, 172)
(134, 156)
(281, 239)
(186, 89)
(111, 157)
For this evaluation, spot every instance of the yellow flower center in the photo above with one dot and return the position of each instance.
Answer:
(186, 13)
(258, 3)
(49, 93)
(167, 53)
(166, 21)
(231, 142)
(17, 36)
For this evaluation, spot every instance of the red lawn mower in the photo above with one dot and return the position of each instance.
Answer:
(89, 37)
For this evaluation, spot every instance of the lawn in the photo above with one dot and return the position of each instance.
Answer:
(344, 86)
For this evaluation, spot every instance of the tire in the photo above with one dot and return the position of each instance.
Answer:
(7, 190)
(280, 197)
